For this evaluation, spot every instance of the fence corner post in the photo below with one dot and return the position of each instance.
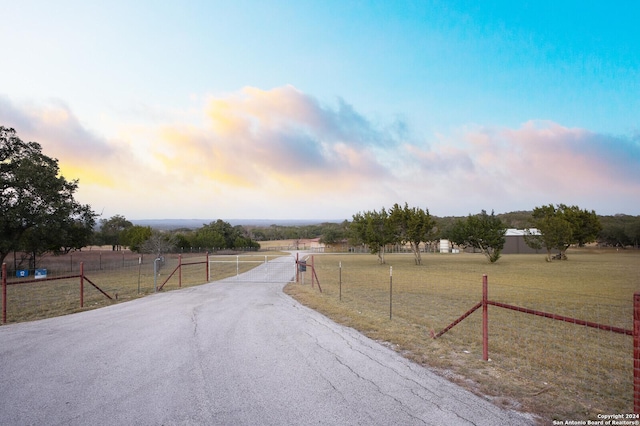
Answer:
(636, 353)
(485, 318)
(4, 293)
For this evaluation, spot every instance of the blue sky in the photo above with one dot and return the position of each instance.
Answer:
(312, 109)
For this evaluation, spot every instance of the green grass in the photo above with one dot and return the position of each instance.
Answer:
(551, 368)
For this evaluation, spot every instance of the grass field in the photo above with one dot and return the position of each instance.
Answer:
(553, 369)
(119, 274)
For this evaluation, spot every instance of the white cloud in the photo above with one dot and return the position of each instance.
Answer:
(281, 153)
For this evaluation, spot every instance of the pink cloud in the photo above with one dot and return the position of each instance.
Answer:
(538, 163)
(56, 128)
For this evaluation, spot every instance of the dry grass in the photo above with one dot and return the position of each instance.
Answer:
(119, 274)
(553, 369)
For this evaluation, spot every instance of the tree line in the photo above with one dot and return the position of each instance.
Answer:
(553, 228)
(118, 232)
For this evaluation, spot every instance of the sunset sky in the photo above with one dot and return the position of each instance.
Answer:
(321, 109)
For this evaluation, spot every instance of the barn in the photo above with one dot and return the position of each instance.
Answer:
(515, 243)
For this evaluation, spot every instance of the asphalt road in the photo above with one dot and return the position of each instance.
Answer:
(225, 353)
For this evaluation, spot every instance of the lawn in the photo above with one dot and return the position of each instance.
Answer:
(551, 368)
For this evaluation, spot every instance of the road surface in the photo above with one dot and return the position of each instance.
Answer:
(225, 353)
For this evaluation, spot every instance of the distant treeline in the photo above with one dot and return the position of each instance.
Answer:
(617, 231)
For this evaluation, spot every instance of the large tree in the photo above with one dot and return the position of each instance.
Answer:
(483, 232)
(111, 231)
(334, 233)
(135, 237)
(59, 235)
(35, 198)
(413, 226)
(561, 226)
(375, 230)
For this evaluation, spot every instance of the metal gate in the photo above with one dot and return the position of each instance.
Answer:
(253, 268)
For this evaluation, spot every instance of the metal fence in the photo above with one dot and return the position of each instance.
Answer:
(542, 336)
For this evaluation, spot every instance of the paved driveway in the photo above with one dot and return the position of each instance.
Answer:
(225, 353)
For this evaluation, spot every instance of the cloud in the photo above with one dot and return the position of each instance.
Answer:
(279, 149)
(62, 136)
(288, 110)
(283, 153)
(282, 136)
(538, 163)
(548, 157)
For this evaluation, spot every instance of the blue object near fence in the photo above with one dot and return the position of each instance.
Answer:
(22, 273)
(41, 273)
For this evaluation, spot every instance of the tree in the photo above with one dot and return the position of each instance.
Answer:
(633, 232)
(554, 232)
(334, 233)
(412, 226)
(561, 226)
(111, 230)
(59, 236)
(482, 232)
(585, 225)
(135, 237)
(35, 198)
(209, 237)
(158, 243)
(221, 235)
(374, 229)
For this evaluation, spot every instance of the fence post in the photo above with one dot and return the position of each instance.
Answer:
(180, 270)
(390, 291)
(485, 318)
(207, 268)
(4, 293)
(636, 353)
(82, 284)
(340, 279)
(312, 270)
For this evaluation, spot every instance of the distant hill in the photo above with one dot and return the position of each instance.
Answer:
(168, 224)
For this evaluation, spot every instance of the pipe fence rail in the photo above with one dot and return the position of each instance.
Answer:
(485, 303)
(80, 276)
(105, 278)
(550, 337)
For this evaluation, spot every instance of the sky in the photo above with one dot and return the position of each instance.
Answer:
(322, 109)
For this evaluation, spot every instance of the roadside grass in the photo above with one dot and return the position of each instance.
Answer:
(120, 275)
(553, 369)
